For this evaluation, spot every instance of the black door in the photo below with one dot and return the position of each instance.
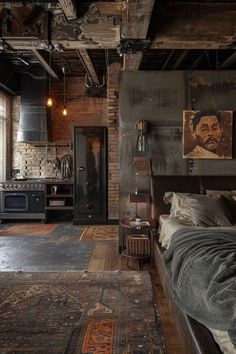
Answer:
(90, 185)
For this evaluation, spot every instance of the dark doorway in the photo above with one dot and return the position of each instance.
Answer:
(90, 185)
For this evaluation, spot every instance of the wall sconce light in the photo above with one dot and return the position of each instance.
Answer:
(142, 128)
(64, 112)
(49, 101)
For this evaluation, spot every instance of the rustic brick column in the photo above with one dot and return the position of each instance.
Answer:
(113, 140)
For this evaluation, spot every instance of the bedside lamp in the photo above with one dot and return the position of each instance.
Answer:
(139, 198)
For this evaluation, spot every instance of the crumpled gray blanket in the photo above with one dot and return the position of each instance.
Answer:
(202, 266)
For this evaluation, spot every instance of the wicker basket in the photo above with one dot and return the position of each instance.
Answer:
(138, 245)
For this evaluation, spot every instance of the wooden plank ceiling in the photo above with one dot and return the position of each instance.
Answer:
(84, 36)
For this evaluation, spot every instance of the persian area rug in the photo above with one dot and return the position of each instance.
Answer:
(101, 233)
(28, 230)
(40, 230)
(86, 313)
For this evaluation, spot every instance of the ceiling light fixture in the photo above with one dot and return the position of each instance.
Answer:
(64, 112)
(49, 101)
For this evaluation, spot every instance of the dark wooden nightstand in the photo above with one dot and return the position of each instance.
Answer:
(137, 239)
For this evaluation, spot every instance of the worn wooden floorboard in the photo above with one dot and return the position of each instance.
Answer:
(106, 257)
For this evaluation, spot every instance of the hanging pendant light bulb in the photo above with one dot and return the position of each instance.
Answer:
(64, 112)
(49, 101)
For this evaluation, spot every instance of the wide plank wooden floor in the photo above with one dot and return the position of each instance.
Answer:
(106, 257)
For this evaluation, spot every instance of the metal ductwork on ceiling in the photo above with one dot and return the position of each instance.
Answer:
(34, 115)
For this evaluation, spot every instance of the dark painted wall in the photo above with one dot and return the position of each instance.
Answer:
(160, 98)
(9, 79)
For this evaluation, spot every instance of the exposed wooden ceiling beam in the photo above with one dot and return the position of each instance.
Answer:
(138, 19)
(131, 62)
(86, 61)
(196, 26)
(100, 26)
(111, 8)
(69, 9)
(44, 64)
(197, 9)
(181, 59)
(228, 62)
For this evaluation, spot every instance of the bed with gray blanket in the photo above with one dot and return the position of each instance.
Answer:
(198, 272)
(202, 268)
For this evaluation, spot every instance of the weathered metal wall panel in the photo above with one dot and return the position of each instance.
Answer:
(160, 98)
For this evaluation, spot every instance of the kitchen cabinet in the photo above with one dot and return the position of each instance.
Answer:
(58, 197)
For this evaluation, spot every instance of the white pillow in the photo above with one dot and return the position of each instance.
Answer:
(179, 206)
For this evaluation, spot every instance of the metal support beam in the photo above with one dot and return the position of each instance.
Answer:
(86, 61)
(44, 64)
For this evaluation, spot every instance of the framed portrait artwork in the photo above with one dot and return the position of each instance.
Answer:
(207, 134)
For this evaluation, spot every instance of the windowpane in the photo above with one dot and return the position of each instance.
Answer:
(2, 149)
(2, 106)
(3, 135)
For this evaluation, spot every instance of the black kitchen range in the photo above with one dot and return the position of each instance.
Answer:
(22, 200)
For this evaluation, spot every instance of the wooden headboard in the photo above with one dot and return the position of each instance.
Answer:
(184, 184)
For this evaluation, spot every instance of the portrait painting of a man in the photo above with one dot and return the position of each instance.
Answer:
(207, 134)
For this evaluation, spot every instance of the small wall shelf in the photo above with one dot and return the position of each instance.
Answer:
(58, 196)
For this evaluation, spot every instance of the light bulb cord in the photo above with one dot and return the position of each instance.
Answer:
(50, 71)
(64, 88)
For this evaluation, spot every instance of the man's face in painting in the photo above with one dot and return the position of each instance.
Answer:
(208, 132)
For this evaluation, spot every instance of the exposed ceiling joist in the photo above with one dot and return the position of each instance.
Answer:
(139, 16)
(44, 64)
(181, 59)
(86, 61)
(228, 62)
(69, 9)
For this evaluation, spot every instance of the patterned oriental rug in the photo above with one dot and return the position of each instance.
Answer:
(80, 312)
(101, 233)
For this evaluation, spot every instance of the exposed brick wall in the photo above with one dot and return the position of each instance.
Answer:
(113, 140)
(86, 107)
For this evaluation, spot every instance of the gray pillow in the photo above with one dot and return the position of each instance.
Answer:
(208, 211)
(229, 199)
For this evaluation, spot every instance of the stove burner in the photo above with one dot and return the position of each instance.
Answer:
(22, 186)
